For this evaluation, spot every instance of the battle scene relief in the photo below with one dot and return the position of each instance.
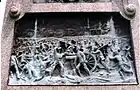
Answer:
(72, 49)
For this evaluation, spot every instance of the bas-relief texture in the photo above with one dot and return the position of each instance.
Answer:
(91, 49)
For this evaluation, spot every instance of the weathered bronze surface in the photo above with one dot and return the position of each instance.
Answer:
(95, 48)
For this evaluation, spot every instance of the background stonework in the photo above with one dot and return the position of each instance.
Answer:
(8, 31)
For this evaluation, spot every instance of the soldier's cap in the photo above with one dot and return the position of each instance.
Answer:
(73, 42)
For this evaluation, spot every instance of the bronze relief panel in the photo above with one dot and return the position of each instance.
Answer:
(72, 49)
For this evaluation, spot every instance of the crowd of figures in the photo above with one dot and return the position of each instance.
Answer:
(35, 59)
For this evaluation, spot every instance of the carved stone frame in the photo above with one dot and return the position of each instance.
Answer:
(27, 6)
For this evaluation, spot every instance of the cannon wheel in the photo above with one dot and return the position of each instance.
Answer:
(91, 61)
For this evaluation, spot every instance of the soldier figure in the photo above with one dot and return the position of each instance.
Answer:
(58, 58)
(81, 56)
(127, 53)
(115, 55)
(100, 58)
